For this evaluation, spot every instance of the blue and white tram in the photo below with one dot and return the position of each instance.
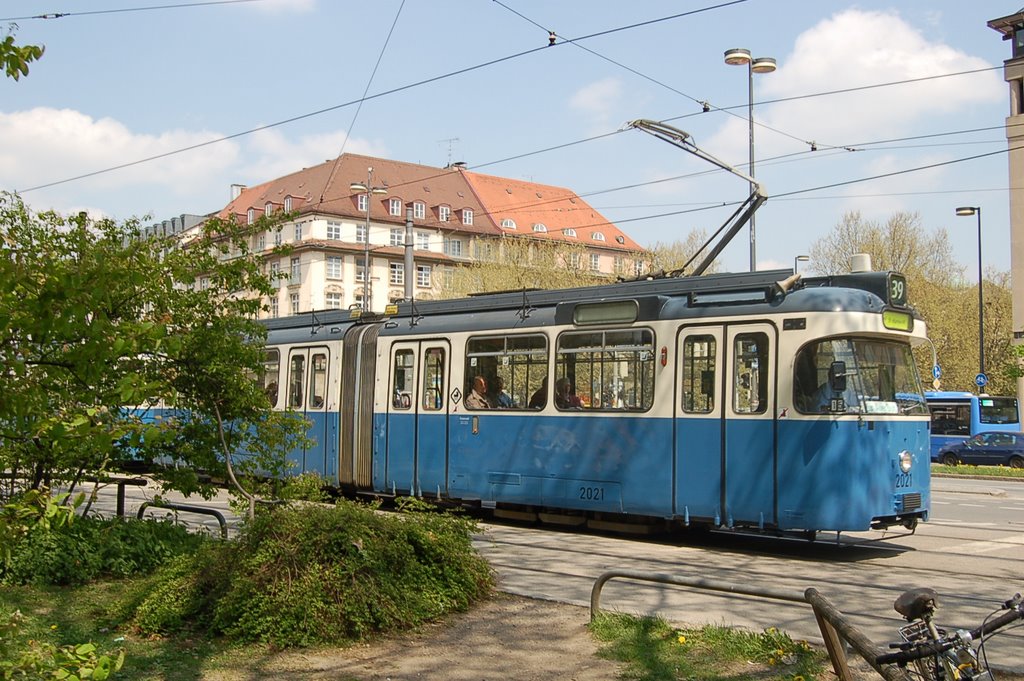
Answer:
(735, 400)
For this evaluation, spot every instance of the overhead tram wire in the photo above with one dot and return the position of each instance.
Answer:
(62, 15)
(402, 88)
(359, 107)
(726, 110)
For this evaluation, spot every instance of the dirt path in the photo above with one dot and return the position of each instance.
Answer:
(506, 638)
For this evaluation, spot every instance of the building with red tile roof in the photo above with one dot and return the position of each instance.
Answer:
(457, 216)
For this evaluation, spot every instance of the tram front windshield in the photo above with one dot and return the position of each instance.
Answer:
(880, 378)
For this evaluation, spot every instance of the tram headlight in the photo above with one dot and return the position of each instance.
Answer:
(906, 461)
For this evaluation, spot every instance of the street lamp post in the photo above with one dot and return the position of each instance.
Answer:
(966, 211)
(368, 190)
(738, 57)
(799, 259)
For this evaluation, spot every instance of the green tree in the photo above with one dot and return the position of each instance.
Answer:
(99, 327)
(939, 292)
(16, 58)
(514, 264)
(671, 257)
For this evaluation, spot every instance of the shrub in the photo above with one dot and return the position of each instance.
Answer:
(89, 548)
(306, 574)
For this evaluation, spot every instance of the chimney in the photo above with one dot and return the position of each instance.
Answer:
(236, 190)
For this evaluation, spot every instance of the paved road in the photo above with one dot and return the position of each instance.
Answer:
(971, 552)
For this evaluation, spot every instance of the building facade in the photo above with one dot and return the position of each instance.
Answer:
(351, 217)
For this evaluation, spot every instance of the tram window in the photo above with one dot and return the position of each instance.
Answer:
(318, 381)
(295, 381)
(750, 374)
(514, 368)
(699, 374)
(880, 377)
(403, 380)
(951, 419)
(607, 370)
(433, 379)
(272, 375)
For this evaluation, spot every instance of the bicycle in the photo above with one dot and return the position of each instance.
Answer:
(938, 655)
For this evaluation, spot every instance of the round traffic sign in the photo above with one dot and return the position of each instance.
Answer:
(981, 380)
(936, 372)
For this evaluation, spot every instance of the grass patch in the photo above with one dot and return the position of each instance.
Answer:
(652, 650)
(986, 471)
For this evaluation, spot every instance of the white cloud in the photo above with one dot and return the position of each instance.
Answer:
(852, 49)
(275, 155)
(599, 101)
(46, 145)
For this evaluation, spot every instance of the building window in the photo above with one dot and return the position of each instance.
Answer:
(574, 261)
(444, 213)
(395, 207)
(275, 308)
(360, 234)
(268, 209)
(540, 227)
(333, 301)
(423, 275)
(397, 273)
(296, 272)
(597, 236)
(453, 247)
(261, 242)
(275, 271)
(570, 232)
(618, 264)
(287, 204)
(360, 273)
(334, 266)
(595, 262)
(294, 299)
(251, 215)
(277, 237)
(298, 232)
(334, 231)
(422, 241)
(467, 216)
(204, 283)
(363, 202)
(508, 223)
(484, 250)
(397, 236)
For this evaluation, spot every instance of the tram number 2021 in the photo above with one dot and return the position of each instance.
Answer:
(904, 480)
(592, 493)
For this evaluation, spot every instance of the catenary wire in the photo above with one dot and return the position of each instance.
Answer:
(62, 15)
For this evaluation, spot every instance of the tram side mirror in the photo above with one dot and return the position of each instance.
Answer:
(837, 376)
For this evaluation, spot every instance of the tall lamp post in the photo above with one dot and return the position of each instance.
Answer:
(738, 56)
(368, 190)
(799, 259)
(966, 211)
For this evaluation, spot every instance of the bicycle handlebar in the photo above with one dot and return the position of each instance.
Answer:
(919, 651)
(930, 648)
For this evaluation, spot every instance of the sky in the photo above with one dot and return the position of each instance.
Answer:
(151, 113)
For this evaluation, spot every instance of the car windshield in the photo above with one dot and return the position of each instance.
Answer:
(881, 378)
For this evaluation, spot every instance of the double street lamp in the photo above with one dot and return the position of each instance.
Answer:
(967, 211)
(739, 57)
(368, 190)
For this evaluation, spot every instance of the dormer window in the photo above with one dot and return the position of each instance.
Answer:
(570, 232)
(620, 239)
(467, 216)
(287, 204)
(508, 223)
(362, 202)
(395, 207)
(419, 210)
(268, 209)
(597, 236)
(540, 227)
(443, 213)
(251, 215)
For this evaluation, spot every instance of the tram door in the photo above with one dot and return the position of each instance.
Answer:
(725, 428)
(307, 394)
(417, 423)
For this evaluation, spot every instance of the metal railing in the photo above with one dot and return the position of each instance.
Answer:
(188, 508)
(836, 629)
